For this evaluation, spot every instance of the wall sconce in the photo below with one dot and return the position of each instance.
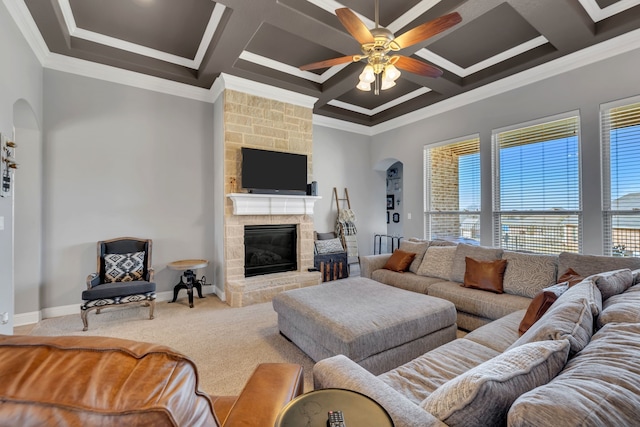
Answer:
(7, 164)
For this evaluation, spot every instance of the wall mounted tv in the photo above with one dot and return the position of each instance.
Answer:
(273, 172)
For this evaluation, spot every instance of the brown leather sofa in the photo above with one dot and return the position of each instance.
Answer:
(97, 381)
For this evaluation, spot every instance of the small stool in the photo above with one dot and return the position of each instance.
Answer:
(187, 266)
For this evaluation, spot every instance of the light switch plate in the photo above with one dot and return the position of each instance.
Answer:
(1, 223)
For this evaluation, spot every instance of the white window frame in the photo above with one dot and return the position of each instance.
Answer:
(427, 185)
(607, 212)
(495, 176)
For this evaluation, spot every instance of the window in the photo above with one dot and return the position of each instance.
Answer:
(452, 190)
(536, 174)
(621, 178)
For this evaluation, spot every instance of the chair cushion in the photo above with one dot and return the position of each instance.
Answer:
(123, 267)
(118, 289)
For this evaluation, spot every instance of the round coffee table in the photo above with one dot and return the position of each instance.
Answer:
(187, 266)
(311, 410)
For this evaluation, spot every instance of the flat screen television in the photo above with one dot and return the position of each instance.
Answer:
(273, 172)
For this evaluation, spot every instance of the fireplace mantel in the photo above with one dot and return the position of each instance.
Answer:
(272, 204)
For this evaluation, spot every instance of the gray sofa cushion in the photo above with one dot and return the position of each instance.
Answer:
(420, 377)
(587, 291)
(612, 283)
(586, 265)
(621, 308)
(483, 395)
(499, 334)
(571, 320)
(406, 280)
(598, 387)
(418, 247)
(479, 253)
(438, 262)
(528, 274)
(479, 303)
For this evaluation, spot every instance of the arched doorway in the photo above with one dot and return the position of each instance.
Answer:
(393, 171)
(28, 215)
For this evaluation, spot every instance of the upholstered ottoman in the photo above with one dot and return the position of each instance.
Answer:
(380, 327)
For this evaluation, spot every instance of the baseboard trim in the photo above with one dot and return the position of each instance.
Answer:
(23, 319)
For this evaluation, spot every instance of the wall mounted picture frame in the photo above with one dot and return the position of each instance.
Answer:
(396, 217)
(388, 217)
(390, 202)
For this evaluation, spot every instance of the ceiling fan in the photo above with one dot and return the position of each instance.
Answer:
(379, 42)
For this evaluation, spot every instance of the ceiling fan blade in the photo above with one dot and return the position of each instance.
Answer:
(426, 30)
(417, 67)
(354, 25)
(330, 62)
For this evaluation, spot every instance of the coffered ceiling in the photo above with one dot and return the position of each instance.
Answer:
(194, 42)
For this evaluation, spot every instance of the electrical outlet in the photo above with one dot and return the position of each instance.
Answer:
(5, 318)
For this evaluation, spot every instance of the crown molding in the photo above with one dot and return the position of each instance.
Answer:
(23, 19)
(601, 51)
(21, 16)
(266, 91)
(108, 73)
(330, 122)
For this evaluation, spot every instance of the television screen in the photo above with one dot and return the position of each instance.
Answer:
(266, 171)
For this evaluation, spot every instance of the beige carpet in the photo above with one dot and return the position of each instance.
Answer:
(226, 343)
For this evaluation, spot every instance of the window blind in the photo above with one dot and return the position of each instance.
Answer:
(620, 126)
(452, 190)
(537, 203)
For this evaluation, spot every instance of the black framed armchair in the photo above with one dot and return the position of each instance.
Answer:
(124, 276)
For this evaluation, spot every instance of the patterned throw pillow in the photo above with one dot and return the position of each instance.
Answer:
(123, 267)
(329, 246)
(483, 395)
(528, 274)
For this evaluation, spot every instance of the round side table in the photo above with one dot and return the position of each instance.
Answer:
(311, 410)
(187, 266)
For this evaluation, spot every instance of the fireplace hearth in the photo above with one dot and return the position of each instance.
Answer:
(270, 249)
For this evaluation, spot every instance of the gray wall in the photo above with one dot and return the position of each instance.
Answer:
(583, 89)
(20, 86)
(342, 160)
(122, 161)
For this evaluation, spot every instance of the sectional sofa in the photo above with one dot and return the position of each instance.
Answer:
(439, 267)
(579, 364)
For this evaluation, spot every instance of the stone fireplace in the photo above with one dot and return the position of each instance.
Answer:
(252, 121)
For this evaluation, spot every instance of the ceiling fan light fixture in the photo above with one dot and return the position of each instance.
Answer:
(364, 86)
(391, 72)
(386, 83)
(368, 75)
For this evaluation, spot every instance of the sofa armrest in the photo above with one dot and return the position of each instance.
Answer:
(268, 390)
(341, 372)
(371, 263)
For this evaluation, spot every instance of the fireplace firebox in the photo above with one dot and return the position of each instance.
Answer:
(270, 249)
